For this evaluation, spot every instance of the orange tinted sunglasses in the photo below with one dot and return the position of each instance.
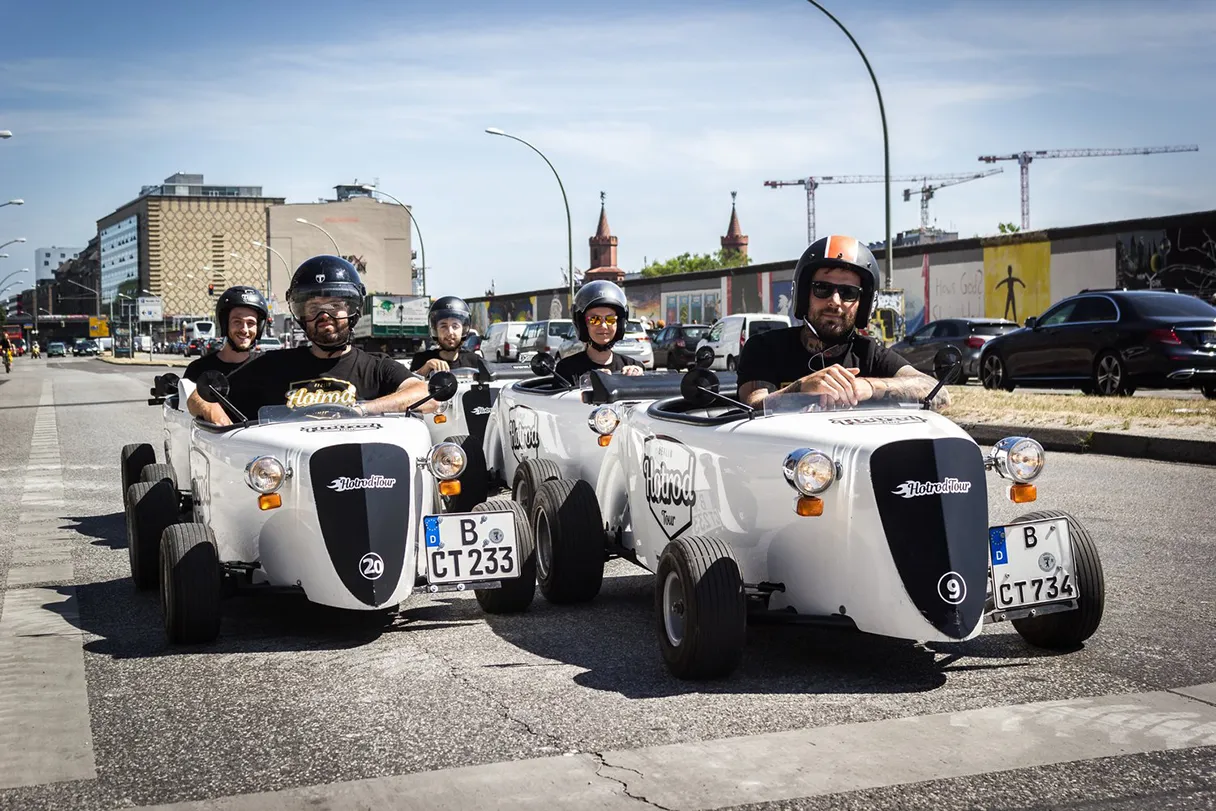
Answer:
(596, 320)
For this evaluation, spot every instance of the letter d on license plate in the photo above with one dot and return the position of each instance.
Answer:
(468, 547)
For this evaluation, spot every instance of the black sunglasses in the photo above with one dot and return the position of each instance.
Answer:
(848, 292)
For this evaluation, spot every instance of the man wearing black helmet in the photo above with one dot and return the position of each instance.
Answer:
(835, 285)
(600, 309)
(240, 314)
(326, 299)
(450, 319)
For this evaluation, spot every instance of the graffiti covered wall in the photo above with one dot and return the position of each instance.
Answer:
(1171, 258)
(1017, 280)
(644, 301)
(552, 305)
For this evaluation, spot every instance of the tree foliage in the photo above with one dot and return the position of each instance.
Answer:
(1008, 228)
(691, 263)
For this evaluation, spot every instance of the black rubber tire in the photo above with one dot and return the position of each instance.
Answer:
(730, 363)
(714, 615)
(1209, 391)
(1068, 629)
(515, 594)
(190, 584)
(151, 508)
(570, 549)
(133, 459)
(157, 472)
(993, 373)
(1110, 376)
(497, 356)
(474, 481)
(529, 476)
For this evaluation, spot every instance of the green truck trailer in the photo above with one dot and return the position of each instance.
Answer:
(395, 325)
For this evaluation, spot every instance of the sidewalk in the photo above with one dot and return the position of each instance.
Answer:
(1110, 443)
(163, 360)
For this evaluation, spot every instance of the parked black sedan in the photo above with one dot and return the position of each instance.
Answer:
(968, 335)
(675, 345)
(1109, 342)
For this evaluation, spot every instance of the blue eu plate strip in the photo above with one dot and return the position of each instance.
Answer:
(996, 542)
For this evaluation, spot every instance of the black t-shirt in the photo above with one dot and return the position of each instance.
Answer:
(778, 357)
(299, 377)
(464, 360)
(212, 362)
(580, 363)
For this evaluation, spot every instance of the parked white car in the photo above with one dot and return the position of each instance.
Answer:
(544, 336)
(730, 333)
(502, 339)
(315, 499)
(636, 344)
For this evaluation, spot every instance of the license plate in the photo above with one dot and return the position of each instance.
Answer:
(469, 547)
(1207, 338)
(1032, 563)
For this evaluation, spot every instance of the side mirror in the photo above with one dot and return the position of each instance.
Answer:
(442, 386)
(212, 386)
(164, 385)
(948, 364)
(1032, 322)
(704, 358)
(543, 364)
(694, 384)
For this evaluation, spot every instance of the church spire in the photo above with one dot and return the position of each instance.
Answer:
(735, 240)
(603, 251)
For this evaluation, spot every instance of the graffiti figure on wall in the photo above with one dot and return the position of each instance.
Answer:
(1182, 259)
(1011, 302)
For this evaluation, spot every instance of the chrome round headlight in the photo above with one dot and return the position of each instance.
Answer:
(1019, 458)
(447, 461)
(265, 474)
(604, 420)
(810, 472)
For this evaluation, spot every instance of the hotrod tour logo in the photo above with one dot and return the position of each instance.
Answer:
(373, 482)
(913, 489)
(524, 432)
(667, 468)
(322, 391)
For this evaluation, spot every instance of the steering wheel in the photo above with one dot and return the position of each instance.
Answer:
(327, 411)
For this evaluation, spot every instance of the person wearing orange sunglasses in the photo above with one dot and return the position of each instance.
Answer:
(600, 310)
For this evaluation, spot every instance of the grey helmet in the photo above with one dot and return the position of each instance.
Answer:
(601, 293)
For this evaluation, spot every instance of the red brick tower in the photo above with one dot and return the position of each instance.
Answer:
(603, 252)
(735, 240)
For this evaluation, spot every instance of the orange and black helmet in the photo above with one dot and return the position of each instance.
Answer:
(836, 251)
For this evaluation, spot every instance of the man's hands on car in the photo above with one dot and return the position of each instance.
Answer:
(836, 385)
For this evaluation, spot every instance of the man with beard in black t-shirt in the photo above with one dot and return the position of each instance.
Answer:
(326, 299)
(835, 283)
(600, 308)
(450, 319)
(240, 314)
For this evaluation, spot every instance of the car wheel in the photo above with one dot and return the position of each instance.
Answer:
(497, 356)
(993, 374)
(132, 461)
(1110, 376)
(515, 594)
(157, 472)
(529, 476)
(730, 363)
(1068, 629)
(569, 537)
(1209, 392)
(190, 584)
(700, 608)
(151, 508)
(474, 481)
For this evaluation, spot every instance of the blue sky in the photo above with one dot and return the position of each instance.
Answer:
(666, 106)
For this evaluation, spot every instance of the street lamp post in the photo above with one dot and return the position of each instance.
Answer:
(11, 241)
(421, 246)
(96, 293)
(569, 227)
(5, 134)
(337, 252)
(16, 202)
(886, 148)
(14, 273)
(269, 288)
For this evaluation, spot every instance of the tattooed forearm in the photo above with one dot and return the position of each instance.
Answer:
(908, 386)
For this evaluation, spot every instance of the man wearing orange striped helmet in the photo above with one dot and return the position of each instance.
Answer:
(835, 285)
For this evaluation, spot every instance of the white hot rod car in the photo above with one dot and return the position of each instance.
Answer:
(318, 499)
(873, 518)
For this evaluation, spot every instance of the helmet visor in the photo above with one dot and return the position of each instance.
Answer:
(337, 303)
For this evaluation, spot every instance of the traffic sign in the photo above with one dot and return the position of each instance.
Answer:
(99, 327)
(151, 308)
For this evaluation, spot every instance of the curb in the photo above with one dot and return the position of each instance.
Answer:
(1072, 440)
(124, 362)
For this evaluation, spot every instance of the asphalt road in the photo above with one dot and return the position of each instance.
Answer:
(329, 710)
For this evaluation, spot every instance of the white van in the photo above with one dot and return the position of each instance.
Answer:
(731, 332)
(202, 330)
(545, 336)
(501, 342)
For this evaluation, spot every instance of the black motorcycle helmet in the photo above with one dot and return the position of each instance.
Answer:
(836, 251)
(327, 277)
(241, 296)
(601, 293)
(450, 307)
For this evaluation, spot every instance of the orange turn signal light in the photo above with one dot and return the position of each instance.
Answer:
(1022, 493)
(809, 506)
(270, 501)
(605, 439)
(440, 419)
(449, 488)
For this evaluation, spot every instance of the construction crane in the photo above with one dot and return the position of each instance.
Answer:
(927, 190)
(812, 183)
(1024, 159)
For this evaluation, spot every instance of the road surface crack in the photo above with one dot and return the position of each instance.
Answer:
(501, 706)
(602, 763)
